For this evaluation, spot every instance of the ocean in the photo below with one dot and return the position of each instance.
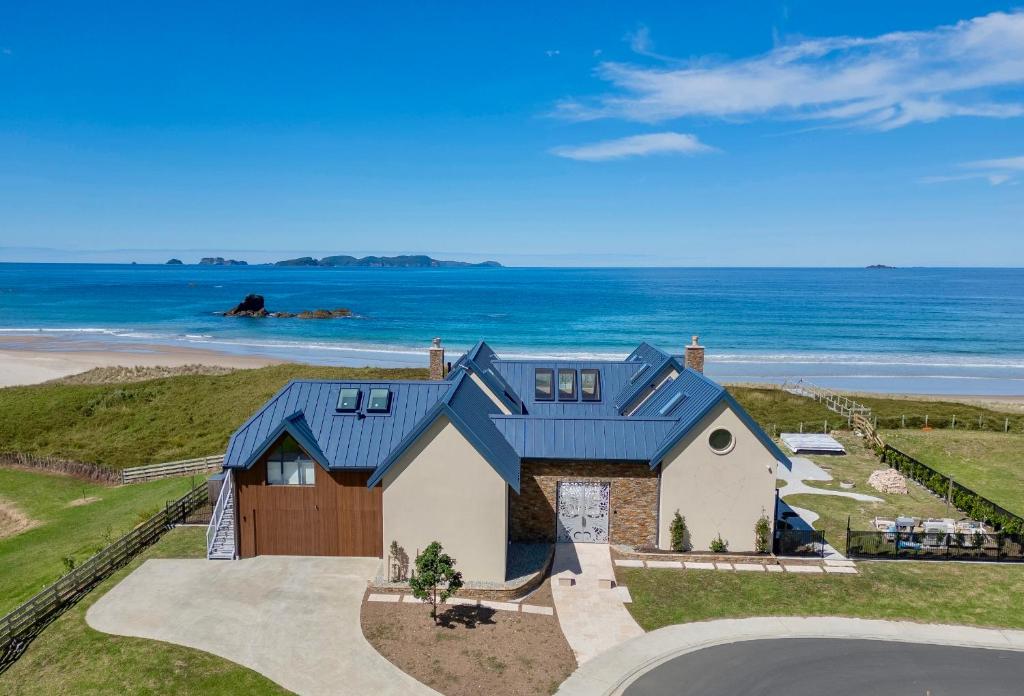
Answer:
(941, 331)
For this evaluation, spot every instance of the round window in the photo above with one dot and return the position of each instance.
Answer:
(721, 441)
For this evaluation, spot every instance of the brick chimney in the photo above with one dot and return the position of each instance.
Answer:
(694, 355)
(436, 360)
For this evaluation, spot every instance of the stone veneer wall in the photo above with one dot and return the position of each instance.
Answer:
(633, 499)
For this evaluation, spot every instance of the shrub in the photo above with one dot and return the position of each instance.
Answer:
(680, 534)
(719, 545)
(763, 535)
(435, 578)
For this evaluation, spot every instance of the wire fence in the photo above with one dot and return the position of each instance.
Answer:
(19, 627)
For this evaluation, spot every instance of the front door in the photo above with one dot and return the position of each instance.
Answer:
(582, 512)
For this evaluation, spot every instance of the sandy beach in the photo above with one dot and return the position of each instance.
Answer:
(31, 360)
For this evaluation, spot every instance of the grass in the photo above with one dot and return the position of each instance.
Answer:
(778, 411)
(69, 657)
(856, 466)
(33, 558)
(940, 413)
(991, 464)
(121, 425)
(903, 590)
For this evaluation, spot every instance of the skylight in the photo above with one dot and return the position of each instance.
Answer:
(348, 399)
(670, 404)
(380, 400)
(639, 372)
(590, 384)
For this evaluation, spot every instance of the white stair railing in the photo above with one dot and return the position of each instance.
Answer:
(226, 493)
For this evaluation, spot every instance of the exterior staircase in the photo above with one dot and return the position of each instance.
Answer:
(220, 535)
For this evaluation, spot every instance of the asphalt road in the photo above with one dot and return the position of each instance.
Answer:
(836, 667)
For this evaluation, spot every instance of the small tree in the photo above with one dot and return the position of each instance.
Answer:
(719, 545)
(679, 533)
(435, 578)
(762, 535)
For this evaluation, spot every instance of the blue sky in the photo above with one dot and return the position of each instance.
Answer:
(541, 133)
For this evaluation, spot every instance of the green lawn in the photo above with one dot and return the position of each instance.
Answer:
(32, 559)
(71, 658)
(121, 425)
(856, 466)
(959, 593)
(991, 464)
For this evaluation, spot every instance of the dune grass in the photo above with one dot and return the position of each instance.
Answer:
(69, 657)
(896, 590)
(991, 464)
(122, 425)
(34, 558)
(779, 411)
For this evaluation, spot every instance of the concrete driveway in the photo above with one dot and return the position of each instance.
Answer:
(292, 619)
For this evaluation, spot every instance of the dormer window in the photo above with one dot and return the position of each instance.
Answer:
(544, 384)
(566, 385)
(348, 400)
(590, 385)
(670, 404)
(379, 401)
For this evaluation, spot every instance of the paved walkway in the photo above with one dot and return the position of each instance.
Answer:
(294, 620)
(592, 619)
(806, 470)
(616, 669)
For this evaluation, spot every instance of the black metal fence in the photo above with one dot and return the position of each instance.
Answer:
(799, 542)
(18, 628)
(934, 546)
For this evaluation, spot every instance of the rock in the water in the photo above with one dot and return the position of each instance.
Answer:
(251, 306)
(174, 262)
(325, 313)
(888, 481)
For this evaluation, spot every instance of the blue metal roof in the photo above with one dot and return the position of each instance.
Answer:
(610, 438)
(480, 360)
(651, 364)
(519, 374)
(700, 395)
(345, 440)
(468, 409)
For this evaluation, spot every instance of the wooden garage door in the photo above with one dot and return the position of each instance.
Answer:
(338, 516)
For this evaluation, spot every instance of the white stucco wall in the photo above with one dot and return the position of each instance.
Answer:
(717, 493)
(443, 490)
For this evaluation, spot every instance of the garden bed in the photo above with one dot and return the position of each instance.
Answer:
(472, 650)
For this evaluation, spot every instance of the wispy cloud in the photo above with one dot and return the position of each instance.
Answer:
(972, 68)
(635, 146)
(995, 171)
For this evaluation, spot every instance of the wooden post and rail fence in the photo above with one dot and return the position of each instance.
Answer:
(102, 474)
(19, 627)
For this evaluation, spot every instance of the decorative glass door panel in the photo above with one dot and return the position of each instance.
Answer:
(582, 512)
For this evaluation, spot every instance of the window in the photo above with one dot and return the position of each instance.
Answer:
(671, 404)
(380, 400)
(288, 465)
(590, 385)
(567, 385)
(639, 373)
(544, 384)
(721, 441)
(348, 399)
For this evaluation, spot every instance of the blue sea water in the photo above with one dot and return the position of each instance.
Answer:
(918, 330)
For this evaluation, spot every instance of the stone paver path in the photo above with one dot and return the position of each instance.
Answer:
(592, 619)
(806, 470)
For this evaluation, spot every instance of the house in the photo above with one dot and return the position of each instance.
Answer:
(497, 451)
